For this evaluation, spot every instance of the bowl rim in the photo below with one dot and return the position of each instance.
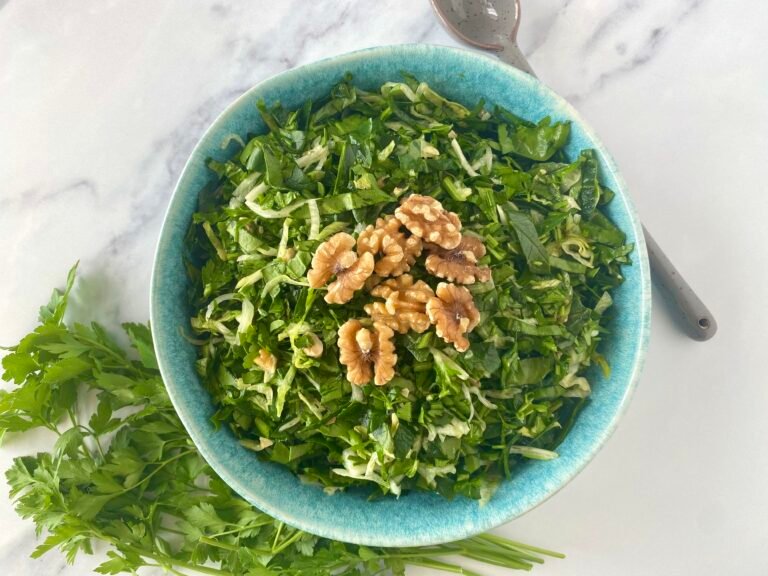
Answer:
(459, 531)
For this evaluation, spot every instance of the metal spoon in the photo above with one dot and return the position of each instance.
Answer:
(492, 25)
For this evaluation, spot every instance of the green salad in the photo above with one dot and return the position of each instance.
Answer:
(395, 292)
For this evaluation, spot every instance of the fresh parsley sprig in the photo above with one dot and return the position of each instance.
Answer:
(123, 472)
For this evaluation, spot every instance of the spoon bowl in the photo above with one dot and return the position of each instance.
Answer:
(485, 24)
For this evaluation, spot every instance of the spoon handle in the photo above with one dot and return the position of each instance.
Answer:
(512, 55)
(699, 323)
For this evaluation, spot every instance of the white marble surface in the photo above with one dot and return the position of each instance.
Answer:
(101, 101)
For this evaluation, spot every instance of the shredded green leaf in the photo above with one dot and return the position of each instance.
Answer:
(449, 422)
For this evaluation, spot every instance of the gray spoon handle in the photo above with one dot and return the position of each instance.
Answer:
(699, 322)
(512, 55)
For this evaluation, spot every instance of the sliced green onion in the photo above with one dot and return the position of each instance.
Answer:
(462, 159)
(314, 219)
(275, 214)
(215, 242)
(282, 279)
(256, 191)
(283, 246)
(533, 453)
(229, 138)
(250, 279)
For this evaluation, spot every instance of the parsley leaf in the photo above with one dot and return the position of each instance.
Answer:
(133, 481)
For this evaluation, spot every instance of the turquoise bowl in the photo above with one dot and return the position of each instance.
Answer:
(417, 518)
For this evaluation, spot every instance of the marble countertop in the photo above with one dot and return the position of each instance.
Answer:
(101, 102)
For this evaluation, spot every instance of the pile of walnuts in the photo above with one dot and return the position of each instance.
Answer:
(380, 260)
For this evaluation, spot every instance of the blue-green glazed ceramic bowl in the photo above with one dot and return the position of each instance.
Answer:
(417, 518)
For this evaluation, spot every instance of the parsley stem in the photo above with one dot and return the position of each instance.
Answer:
(496, 550)
(165, 567)
(444, 566)
(518, 545)
(503, 561)
(287, 542)
(169, 562)
(277, 534)
(105, 349)
(264, 522)
(416, 553)
(98, 446)
(222, 545)
(155, 471)
(165, 560)
(73, 417)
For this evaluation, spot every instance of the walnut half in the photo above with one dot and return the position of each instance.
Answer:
(367, 353)
(454, 314)
(335, 257)
(460, 263)
(426, 218)
(394, 251)
(405, 304)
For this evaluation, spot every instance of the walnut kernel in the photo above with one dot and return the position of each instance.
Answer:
(335, 257)
(315, 349)
(459, 264)
(453, 313)
(395, 252)
(266, 361)
(426, 218)
(367, 353)
(404, 306)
